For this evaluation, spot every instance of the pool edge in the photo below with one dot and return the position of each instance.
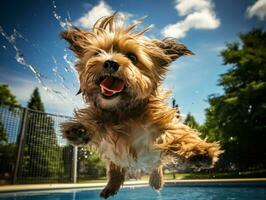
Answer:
(184, 183)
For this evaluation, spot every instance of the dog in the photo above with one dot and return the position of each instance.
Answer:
(127, 117)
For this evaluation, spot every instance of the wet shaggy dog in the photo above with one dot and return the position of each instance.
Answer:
(128, 118)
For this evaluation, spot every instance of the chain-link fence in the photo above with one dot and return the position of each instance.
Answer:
(32, 149)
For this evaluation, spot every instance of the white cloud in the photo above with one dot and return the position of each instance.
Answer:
(185, 7)
(257, 9)
(100, 10)
(199, 15)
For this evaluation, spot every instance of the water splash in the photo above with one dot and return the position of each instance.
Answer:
(20, 58)
(59, 91)
(62, 82)
(70, 63)
(71, 66)
(64, 23)
(74, 196)
(159, 195)
(55, 71)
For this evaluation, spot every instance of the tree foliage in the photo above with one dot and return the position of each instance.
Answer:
(35, 102)
(90, 164)
(42, 154)
(6, 97)
(3, 136)
(191, 121)
(238, 116)
(7, 150)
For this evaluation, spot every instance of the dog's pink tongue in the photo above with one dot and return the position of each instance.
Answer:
(111, 85)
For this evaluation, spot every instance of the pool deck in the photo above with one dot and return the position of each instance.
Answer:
(194, 182)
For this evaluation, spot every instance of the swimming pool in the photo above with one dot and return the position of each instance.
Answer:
(222, 192)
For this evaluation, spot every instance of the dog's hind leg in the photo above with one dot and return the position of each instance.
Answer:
(184, 142)
(156, 178)
(116, 177)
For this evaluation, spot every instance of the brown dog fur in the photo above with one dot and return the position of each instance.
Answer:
(136, 128)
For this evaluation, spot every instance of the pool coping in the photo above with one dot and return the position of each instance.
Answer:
(176, 182)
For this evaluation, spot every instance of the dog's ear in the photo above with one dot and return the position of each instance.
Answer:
(172, 49)
(77, 39)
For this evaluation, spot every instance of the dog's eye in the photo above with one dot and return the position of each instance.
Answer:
(132, 57)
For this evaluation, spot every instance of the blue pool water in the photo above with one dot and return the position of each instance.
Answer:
(145, 193)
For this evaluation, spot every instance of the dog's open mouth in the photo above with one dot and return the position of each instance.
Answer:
(111, 86)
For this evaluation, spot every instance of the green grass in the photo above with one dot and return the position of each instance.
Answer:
(199, 175)
(100, 180)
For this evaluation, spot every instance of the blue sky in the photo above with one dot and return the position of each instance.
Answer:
(204, 26)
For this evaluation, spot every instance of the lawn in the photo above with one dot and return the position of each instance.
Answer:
(199, 175)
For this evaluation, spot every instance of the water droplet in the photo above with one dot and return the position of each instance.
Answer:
(249, 108)
(71, 65)
(65, 24)
(66, 69)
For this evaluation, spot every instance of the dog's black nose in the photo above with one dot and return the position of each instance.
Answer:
(111, 66)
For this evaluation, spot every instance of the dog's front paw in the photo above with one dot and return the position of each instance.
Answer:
(109, 190)
(76, 134)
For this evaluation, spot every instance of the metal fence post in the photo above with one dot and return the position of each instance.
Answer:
(20, 143)
(75, 164)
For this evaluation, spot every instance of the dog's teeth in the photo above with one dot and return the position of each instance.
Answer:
(103, 91)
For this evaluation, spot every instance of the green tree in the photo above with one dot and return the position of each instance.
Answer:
(6, 97)
(3, 136)
(90, 164)
(191, 122)
(9, 100)
(210, 129)
(7, 150)
(42, 154)
(35, 102)
(238, 116)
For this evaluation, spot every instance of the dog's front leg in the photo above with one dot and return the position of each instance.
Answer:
(75, 133)
(116, 177)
